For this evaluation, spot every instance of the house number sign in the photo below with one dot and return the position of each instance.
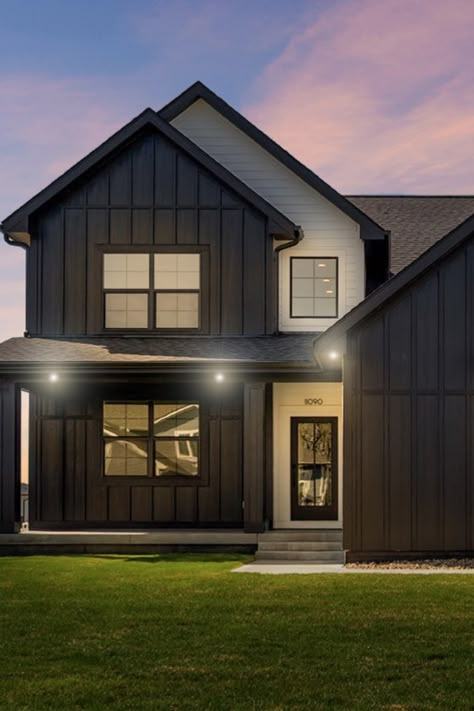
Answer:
(313, 401)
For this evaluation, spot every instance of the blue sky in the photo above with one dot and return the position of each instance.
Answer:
(375, 97)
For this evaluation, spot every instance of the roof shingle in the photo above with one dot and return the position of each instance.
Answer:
(415, 222)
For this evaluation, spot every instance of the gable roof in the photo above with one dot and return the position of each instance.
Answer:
(369, 227)
(394, 286)
(415, 222)
(19, 218)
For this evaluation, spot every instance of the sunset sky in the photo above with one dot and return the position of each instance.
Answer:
(376, 97)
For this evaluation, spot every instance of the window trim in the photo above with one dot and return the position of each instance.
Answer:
(151, 250)
(314, 318)
(200, 479)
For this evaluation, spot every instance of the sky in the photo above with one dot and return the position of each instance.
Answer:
(375, 97)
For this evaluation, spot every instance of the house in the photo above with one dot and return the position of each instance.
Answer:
(218, 341)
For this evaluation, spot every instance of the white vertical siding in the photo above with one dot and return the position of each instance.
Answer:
(328, 231)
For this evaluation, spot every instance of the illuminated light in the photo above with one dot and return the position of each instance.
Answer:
(329, 291)
(219, 377)
(333, 355)
(53, 377)
(321, 265)
(326, 281)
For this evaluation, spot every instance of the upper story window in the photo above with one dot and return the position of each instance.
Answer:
(313, 292)
(152, 291)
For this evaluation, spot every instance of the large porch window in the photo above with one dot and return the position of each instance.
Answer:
(151, 439)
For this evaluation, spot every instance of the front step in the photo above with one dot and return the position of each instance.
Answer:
(312, 546)
(309, 556)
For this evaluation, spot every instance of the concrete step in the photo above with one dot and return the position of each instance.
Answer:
(300, 546)
(313, 556)
(314, 535)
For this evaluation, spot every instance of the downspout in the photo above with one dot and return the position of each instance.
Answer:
(298, 236)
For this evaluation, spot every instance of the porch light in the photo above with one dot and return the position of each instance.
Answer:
(321, 265)
(333, 355)
(219, 377)
(53, 377)
(329, 291)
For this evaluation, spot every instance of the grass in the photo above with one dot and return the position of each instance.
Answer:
(182, 632)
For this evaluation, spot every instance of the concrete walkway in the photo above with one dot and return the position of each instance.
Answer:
(289, 568)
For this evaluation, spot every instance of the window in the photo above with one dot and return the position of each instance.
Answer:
(313, 291)
(151, 439)
(177, 284)
(163, 292)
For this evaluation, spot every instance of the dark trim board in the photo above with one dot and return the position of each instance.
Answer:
(198, 90)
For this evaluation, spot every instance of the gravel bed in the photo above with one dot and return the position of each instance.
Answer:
(429, 563)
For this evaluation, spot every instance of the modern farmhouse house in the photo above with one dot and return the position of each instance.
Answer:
(222, 349)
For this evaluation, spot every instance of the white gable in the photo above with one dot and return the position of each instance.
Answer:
(327, 230)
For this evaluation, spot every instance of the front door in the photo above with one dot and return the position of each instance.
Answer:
(313, 468)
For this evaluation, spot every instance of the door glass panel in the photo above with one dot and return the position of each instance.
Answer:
(314, 464)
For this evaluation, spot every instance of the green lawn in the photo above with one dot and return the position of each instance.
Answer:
(182, 632)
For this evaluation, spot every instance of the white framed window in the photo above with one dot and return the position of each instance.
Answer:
(313, 287)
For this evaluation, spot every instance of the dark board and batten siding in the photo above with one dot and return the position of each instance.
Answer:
(409, 418)
(10, 457)
(149, 194)
(69, 490)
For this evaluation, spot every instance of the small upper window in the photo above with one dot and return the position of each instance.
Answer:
(144, 293)
(313, 287)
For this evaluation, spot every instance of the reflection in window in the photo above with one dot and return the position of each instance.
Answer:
(313, 287)
(151, 439)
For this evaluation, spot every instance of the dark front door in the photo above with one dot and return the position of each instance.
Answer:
(313, 468)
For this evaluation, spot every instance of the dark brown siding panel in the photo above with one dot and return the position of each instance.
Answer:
(142, 503)
(186, 227)
(427, 497)
(372, 481)
(426, 314)
(231, 261)
(209, 496)
(165, 230)
(10, 463)
(143, 172)
(209, 193)
(120, 226)
(142, 226)
(254, 263)
(231, 470)
(399, 324)
(400, 486)
(187, 182)
(75, 272)
(372, 354)
(97, 233)
(454, 473)
(121, 181)
(454, 322)
(97, 189)
(254, 434)
(209, 234)
(32, 280)
(119, 503)
(164, 509)
(165, 174)
(52, 274)
(52, 470)
(186, 504)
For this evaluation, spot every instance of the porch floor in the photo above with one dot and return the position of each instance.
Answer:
(119, 541)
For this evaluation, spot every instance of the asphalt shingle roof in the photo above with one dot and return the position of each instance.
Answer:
(266, 349)
(415, 222)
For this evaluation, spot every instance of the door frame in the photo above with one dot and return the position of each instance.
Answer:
(326, 513)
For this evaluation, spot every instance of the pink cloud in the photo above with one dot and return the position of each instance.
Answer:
(377, 97)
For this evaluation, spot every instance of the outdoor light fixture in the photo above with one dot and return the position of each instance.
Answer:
(53, 377)
(333, 355)
(219, 377)
(321, 265)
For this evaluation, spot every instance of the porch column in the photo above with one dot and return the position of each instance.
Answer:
(254, 456)
(10, 457)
